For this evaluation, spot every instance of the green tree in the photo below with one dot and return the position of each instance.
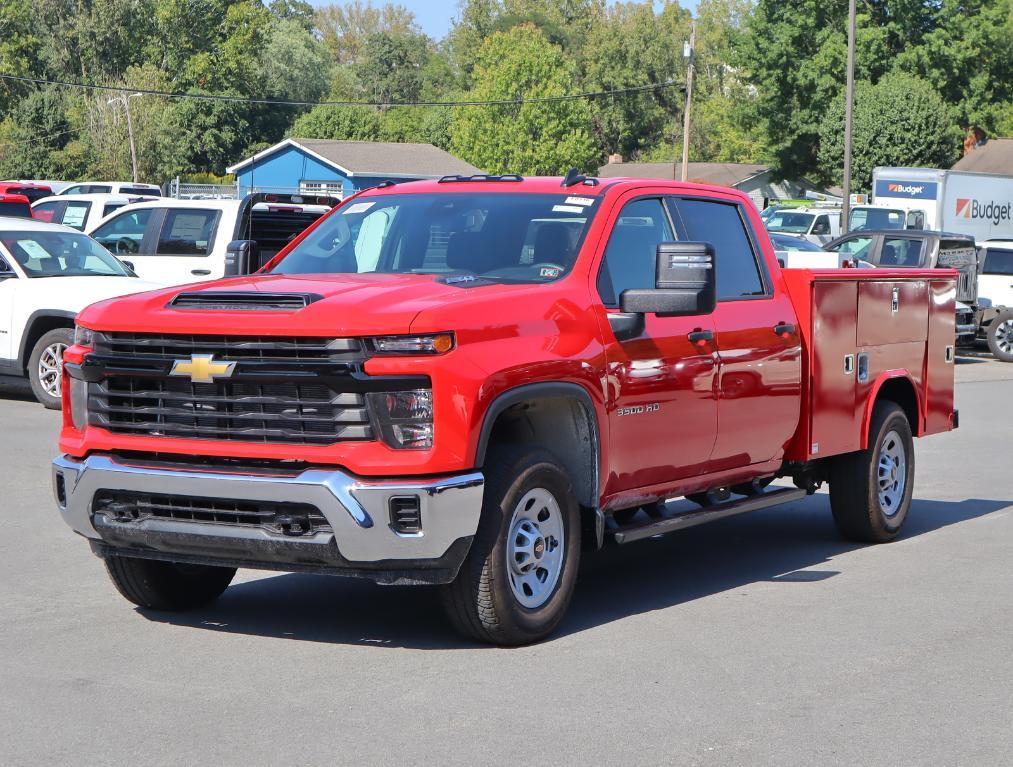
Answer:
(19, 49)
(345, 28)
(635, 46)
(391, 67)
(899, 121)
(533, 138)
(340, 123)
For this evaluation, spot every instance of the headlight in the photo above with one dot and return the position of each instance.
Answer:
(405, 418)
(83, 336)
(436, 343)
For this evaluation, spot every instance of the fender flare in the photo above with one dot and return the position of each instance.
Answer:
(877, 386)
(541, 390)
(34, 317)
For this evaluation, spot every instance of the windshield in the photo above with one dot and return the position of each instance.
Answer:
(501, 236)
(787, 242)
(789, 221)
(61, 254)
(876, 218)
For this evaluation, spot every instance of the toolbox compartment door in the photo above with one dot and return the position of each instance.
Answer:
(892, 312)
(833, 413)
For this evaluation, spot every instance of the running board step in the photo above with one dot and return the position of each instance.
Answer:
(637, 532)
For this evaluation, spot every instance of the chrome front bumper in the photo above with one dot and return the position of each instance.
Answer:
(363, 539)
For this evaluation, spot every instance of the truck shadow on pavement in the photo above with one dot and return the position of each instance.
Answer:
(777, 545)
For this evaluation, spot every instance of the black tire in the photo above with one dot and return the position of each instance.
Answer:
(61, 336)
(859, 513)
(1000, 337)
(481, 602)
(167, 585)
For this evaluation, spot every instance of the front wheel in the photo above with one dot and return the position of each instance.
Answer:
(1000, 337)
(516, 582)
(870, 490)
(167, 585)
(45, 366)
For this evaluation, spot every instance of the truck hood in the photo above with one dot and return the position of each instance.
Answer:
(344, 304)
(73, 294)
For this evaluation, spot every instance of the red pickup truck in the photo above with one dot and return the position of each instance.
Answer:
(467, 382)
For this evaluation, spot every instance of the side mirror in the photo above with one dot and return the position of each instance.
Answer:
(685, 282)
(240, 257)
(128, 264)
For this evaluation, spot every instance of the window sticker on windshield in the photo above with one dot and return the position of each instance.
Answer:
(74, 216)
(358, 207)
(580, 201)
(33, 249)
(567, 209)
(550, 271)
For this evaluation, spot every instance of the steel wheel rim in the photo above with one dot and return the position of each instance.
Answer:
(51, 368)
(891, 470)
(1004, 336)
(535, 548)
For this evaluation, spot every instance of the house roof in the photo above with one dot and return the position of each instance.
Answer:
(373, 158)
(994, 156)
(719, 173)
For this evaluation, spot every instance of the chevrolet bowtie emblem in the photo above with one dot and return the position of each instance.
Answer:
(202, 368)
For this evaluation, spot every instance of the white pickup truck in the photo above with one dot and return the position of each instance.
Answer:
(80, 211)
(49, 273)
(173, 242)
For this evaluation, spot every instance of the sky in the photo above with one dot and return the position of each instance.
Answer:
(435, 16)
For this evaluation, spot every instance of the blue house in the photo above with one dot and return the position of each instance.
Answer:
(323, 166)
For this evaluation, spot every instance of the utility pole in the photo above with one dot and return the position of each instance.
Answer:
(689, 53)
(849, 115)
(130, 129)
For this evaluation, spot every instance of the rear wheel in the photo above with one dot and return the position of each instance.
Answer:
(870, 490)
(45, 366)
(517, 580)
(1000, 337)
(168, 585)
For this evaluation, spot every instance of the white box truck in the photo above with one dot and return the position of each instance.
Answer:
(978, 204)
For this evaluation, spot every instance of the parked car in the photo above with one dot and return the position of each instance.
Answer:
(795, 252)
(818, 225)
(422, 389)
(995, 298)
(15, 205)
(36, 314)
(114, 187)
(83, 211)
(54, 186)
(32, 192)
(921, 249)
(206, 239)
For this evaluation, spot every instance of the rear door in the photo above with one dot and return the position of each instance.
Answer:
(180, 252)
(661, 404)
(759, 349)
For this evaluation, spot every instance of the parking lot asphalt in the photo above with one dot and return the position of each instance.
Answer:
(762, 639)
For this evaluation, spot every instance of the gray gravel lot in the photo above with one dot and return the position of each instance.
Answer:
(762, 639)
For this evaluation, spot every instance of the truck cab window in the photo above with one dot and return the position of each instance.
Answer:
(75, 214)
(899, 251)
(822, 225)
(124, 233)
(187, 232)
(721, 224)
(630, 255)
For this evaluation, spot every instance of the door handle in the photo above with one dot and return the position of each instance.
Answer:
(200, 272)
(784, 329)
(701, 337)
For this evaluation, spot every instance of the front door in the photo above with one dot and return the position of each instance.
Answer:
(759, 347)
(661, 403)
(8, 284)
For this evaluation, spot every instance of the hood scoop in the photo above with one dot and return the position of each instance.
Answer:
(234, 300)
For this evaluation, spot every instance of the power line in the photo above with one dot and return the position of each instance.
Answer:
(285, 102)
(39, 139)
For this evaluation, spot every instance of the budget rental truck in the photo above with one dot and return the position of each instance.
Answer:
(977, 204)
(469, 382)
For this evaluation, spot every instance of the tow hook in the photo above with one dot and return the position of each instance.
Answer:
(292, 524)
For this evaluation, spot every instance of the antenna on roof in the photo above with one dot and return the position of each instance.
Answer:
(574, 176)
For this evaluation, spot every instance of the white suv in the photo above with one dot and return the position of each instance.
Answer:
(113, 187)
(80, 211)
(37, 314)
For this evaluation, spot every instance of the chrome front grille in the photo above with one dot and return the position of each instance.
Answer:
(305, 391)
(234, 348)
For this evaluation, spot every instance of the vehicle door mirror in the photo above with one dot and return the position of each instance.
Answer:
(685, 282)
(240, 257)
(129, 265)
(6, 272)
